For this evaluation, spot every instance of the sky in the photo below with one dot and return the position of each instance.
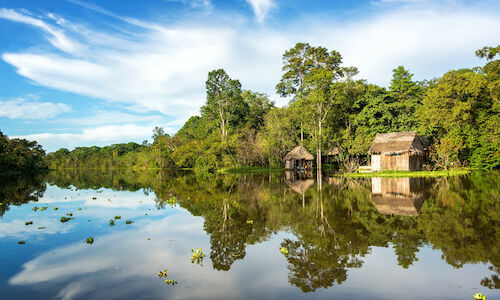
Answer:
(87, 72)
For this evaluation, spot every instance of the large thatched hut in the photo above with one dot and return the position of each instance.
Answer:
(299, 158)
(402, 151)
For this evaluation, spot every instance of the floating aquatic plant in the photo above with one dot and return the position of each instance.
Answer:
(90, 240)
(42, 227)
(111, 222)
(35, 208)
(284, 250)
(249, 221)
(28, 223)
(170, 281)
(65, 219)
(21, 242)
(162, 273)
(172, 201)
(118, 217)
(69, 214)
(94, 198)
(128, 222)
(43, 208)
(56, 208)
(197, 256)
(79, 209)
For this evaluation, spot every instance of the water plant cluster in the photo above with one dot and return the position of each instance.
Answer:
(171, 201)
(197, 256)
(163, 274)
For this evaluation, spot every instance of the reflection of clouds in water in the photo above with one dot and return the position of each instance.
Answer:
(132, 262)
(17, 228)
(106, 198)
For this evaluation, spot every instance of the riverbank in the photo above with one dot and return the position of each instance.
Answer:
(239, 170)
(441, 173)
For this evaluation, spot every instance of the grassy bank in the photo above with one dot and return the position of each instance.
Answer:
(441, 173)
(249, 170)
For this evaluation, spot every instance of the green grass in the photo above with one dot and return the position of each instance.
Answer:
(441, 173)
(249, 170)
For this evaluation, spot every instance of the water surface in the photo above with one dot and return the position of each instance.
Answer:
(377, 238)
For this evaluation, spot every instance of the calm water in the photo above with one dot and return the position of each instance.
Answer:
(405, 238)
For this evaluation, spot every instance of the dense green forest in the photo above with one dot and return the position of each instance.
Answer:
(20, 155)
(459, 112)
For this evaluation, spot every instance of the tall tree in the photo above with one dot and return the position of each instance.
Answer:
(224, 102)
(308, 75)
(302, 60)
(405, 95)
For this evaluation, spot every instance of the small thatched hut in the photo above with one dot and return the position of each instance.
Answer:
(299, 158)
(402, 151)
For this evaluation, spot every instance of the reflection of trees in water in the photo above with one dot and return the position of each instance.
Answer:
(20, 189)
(334, 227)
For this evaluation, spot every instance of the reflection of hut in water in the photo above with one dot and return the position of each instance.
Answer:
(299, 158)
(398, 196)
(397, 151)
(299, 182)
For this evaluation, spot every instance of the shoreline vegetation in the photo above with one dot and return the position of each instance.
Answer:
(329, 112)
(438, 173)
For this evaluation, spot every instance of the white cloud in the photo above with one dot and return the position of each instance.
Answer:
(31, 109)
(55, 36)
(102, 117)
(206, 4)
(261, 8)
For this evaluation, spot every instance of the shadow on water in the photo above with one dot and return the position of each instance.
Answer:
(334, 224)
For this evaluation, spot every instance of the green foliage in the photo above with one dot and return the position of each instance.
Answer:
(20, 155)
(459, 113)
(65, 219)
(197, 256)
(89, 240)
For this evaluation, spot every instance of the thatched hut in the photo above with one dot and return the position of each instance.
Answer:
(402, 151)
(299, 158)
(398, 196)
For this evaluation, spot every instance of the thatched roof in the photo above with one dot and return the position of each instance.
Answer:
(299, 152)
(397, 142)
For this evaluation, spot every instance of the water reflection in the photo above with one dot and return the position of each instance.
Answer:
(16, 190)
(329, 230)
(399, 196)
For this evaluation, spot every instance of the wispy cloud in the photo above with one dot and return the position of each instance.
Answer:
(205, 4)
(55, 36)
(29, 108)
(261, 8)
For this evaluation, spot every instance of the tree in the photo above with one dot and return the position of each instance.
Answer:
(405, 99)
(319, 101)
(259, 105)
(488, 52)
(158, 132)
(224, 102)
(300, 61)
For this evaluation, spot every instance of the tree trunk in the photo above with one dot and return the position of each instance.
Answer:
(318, 156)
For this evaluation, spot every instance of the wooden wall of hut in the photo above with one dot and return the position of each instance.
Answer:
(401, 162)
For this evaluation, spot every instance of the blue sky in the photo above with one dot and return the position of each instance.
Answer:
(80, 73)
